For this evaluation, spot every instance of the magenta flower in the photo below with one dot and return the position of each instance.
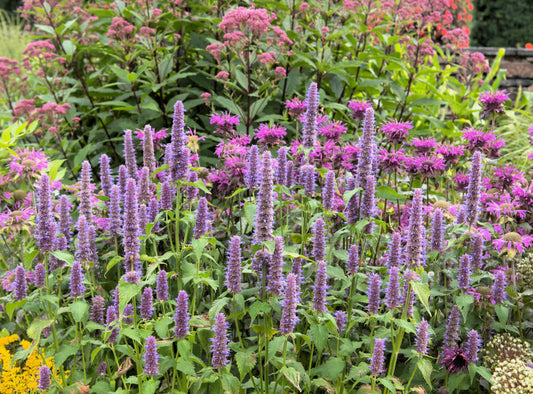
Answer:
(333, 130)
(507, 176)
(358, 108)
(450, 153)
(225, 122)
(512, 243)
(27, 163)
(270, 135)
(391, 160)
(455, 360)
(296, 107)
(428, 166)
(423, 145)
(493, 103)
(477, 138)
(396, 132)
(506, 207)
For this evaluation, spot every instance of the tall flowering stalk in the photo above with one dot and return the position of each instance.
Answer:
(181, 318)
(288, 315)
(105, 175)
(281, 168)
(321, 288)
(393, 258)
(308, 179)
(374, 285)
(178, 136)
(45, 232)
(463, 279)
(77, 288)
(146, 306)
(367, 154)
(161, 289)
(473, 196)
(328, 192)
(219, 344)
(477, 252)
(151, 358)
(85, 195)
(275, 269)
(437, 235)
(353, 260)
(65, 221)
(264, 219)
(416, 235)
(129, 155)
(393, 289)
(422, 338)
(167, 196)
(20, 286)
(252, 174)
(319, 244)
(378, 357)
(451, 334)
(234, 268)
(310, 125)
(203, 221)
(131, 228)
(115, 220)
(148, 149)
(352, 208)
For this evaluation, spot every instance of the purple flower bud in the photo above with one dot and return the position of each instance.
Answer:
(151, 358)
(129, 155)
(351, 210)
(310, 126)
(422, 338)
(65, 222)
(393, 290)
(167, 196)
(44, 378)
(451, 335)
(180, 163)
(146, 306)
(181, 319)
(296, 269)
(264, 219)
(219, 346)
(393, 259)
(131, 228)
(477, 252)
(44, 216)
(290, 174)
(192, 191)
(368, 203)
(111, 323)
(378, 357)
(308, 178)
(321, 288)
(252, 175)
(105, 175)
(463, 279)
(143, 192)
(416, 234)
(281, 169)
(122, 180)
(374, 284)
(261, 263)
(498, 287)
(161, 287)
(234, 268)
(473, 196)
(153, 211)
(328, 191)
(115, 221)
(203, 221)
(367, 154)
(473, 343)
(20, 285)
(143, 218)
(319, 245)
(437, 236)
(178, 126)
(86, 194)
(340, 319)
(131, 277)
(40, 275)
(77, 288)
(128, 314)
(288, 315)
(275, 269)
(102, 368)
(353, 260)
(83, 251)
(93, 256)
(97, 310)
(148, 149)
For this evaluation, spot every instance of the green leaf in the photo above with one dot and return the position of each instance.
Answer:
(217, 306)
(114, 261)
(425, 368)
(422, 292)
(69, 48)
(245, 361)
(256, 308)
(406, 325)
(502, 311)
(12, 306)
(387, 193)
(250, 210)
(53, 167)
(36, 327)
(229, 383)
(331, 369)
(319, 336)
(132, 334)
(65, 351)
(63, 256)
(292, 376)
(126, 291)
(79, 310)
(29, 256)
(464, 301)
(150, 386)
(198, 246)
(199, 184)
(388, 384)
(185, 366)
(275, 345)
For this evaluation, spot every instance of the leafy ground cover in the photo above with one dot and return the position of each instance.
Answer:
(331, 198)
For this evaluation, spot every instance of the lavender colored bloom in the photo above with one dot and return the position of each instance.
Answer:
(451, 335)
(20, 286)
(463, 279)
(203, 222)
(499, 286)
(86, 208)
(422, 338)
(310, 125)
(151, 358)
(60, 243)
(234, 268)
(264, 219)
(378, 357)
(131, 277)
(351, 210)
(115, 221)
(408, 277)
(167, 196)
(122, 180)
(181, 318)
(93, 256)
(473, 196)
(105, 175)
(473, 343)
(111, 323)
(192, 191)
(40, 275)
(308, 178)
(83, 251)
(161, 287)
(368, 203)
(393, 259)
(477, 252)
(102, 368)
(178, 136)
(275, 274)
(128, 314)
(328, 191)
(290, 174)
(374, 284)
(261, 263)
(393, 290)
(146, 306)
(143, 218)
(44, 216)
(296, 269)
(219, 346)
(129, 155)
(288, 315)
(415, 241)
(281, 169)
(77, 288)
(65, 221)
(148, 149)
(340, 319)
(353, 260)
(153, 211)
(44, 378)
(252, 175)
(144, 188)
(97, 310)
(319, 245)
(180, 163)
(131, 240)
(437, 236)
(368, 150)
(321, 288)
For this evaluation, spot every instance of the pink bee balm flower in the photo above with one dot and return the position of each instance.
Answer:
(333, 130)
(396, 132)
(493, 103)
(423, 145)
(270, 135)
(26, 162)
(295, 107)
(225, 122)
(358, 108)
(512, 243)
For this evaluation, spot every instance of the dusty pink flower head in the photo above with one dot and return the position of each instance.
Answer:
(28, 163)
(423, 145)
(120, 29)
(333, 130)
(253, 22)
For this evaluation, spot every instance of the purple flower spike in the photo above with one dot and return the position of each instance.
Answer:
(146, 306)
(367, 155)
(20, 286)
(203, 222)
(115, 221)
(192, 191)
(463, 279)
(288, 315)
(451, 335)
(102, 368)
(416, 233)
(310, 125)
(219, 346)
(296, 269)
(321, 288)
(275, 274)
(111, 323)
(473, 344)
(65, 222)
(40, 275)
(105, 175)
(181, 319)
(281, 169)
(129, 155)
(340, 319)
(86, 194)
(353, 260)
(393, 259)
(319, 246)
(498, 287)
(422, 338)
(393, 290)
(122, 180)
(44, 216)
(77, 288)
(151, 358)
(44, 378)
(351, 209)
(328, 191)
(143, 218)
(234, 268)
(180, 163)
(161, 289)
(148, 149)
(178, 136)
(97, 310)
(252, 175)
(143, 192)
(131, 240)
(308, 179)
(437, 236)
(378, 357)
(264, 219)
(473, 196)
(83, 252)
(374, 284)
(128, 313)
(477, 252)
(167, 196)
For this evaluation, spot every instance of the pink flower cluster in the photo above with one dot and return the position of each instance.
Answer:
(252, 22)
(27, 163)
(49, 115)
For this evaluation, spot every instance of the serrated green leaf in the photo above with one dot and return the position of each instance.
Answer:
(250, 210)
(387, 193)
(63, 256)
(246, 360)
(422, 292)
(126, 291)
(217, 306)
(36, 327)
(292, 376)
(79, 310)
(65, 351)
(185, 366)
(319, 336)
(426, 369)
